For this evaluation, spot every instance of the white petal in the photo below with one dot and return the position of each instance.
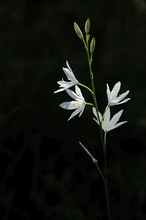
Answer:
(125, 100)
(81, 110)
(69, 105)
(115, 102)
(108, 92)
(78, 91)
(104, 126)
(64, 84)
(122, 96)
(112, 103)
(115, 119)
(107, 115)
(117, 125)
(115, 89)
(74, 113)
(72, 94)
(59, 90)
(67, 64)
(67, 73)
(95, 113)
(106, 120)
(96, 121)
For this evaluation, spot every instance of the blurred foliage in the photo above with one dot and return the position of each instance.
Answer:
(44, 172)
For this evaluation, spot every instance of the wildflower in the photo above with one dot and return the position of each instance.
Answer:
(112, 96)
(71, 77)
(107, 123)
(78, 104)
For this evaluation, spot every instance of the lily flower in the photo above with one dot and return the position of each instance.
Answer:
(112, 96)
(78, 104)
(70, 76)
(107, 123)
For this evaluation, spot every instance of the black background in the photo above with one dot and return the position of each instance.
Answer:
(44, 171)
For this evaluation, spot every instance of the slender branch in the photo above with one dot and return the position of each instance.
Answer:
(94, 161)
(99, 170)
(86, 87)
(88, 103)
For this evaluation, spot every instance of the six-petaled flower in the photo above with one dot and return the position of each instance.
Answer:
(112, 96)
(78, 104)
(105, 121)
(70, 76)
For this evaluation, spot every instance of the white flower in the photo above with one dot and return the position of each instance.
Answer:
(70, 76)
(78, 104)
(112, 96)
(107, 124)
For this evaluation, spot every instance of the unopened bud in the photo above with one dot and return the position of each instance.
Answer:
(87, 26)
(78, 31)
(92, 45)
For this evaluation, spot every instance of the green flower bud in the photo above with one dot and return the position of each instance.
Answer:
(92, 45)
(87, 26)
(78, 31)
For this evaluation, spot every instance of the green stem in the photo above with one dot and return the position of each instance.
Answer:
(106, 178)
(93, 159)
(86, 44)
(86, 87)
(88, 103)
(103, 139)
(99, 170)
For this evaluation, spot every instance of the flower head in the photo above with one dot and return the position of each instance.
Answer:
(107, 123)
(113, 98)
(78, 104)
(70, 76)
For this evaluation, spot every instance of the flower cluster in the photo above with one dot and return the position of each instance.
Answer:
(78, 103)
(113, 99)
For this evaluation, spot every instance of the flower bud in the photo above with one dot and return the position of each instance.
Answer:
(78, 31)
(87, 26)
(92, 45)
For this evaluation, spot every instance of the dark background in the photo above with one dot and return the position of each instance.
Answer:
(44, 171)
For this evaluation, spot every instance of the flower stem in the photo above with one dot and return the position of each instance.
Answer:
(106, 179)
(94, 161)
(86, 87)
(99, 170)
(88, 103)
(89, 57)
(103, 139)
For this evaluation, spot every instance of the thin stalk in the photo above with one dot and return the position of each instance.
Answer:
(92, 85)
(86, 87)
(88, 103)
(103, 139)
(94, 160)
(99, 170)
(106, 179)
